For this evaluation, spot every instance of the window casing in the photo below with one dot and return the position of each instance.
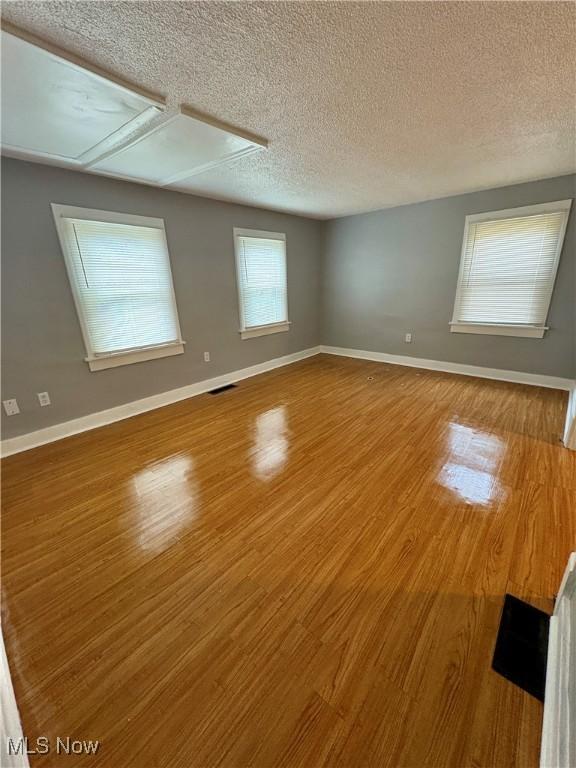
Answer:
(507, 270)
(262, 282)
(119, 270)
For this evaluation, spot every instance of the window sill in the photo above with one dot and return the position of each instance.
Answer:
(264, 330)
(526, 331)
(136, 356)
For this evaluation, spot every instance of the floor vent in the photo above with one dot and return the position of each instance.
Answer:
(522, 646)
(224, 388)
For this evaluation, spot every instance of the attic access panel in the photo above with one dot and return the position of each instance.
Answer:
(55, 109)
(176, 149)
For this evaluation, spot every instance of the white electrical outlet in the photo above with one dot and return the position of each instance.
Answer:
(408, 338)
(206, 357)
(43, 398)
(11, 407)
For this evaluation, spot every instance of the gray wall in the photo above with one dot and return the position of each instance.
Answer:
(395, 271)
(360, 282)
(42, 347)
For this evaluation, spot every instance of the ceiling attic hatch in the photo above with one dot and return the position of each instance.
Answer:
(54, 110)
(179, 147)
(58, 112)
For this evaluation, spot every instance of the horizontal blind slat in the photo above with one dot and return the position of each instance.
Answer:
(262, 280)
(508, 269)
(123, 283)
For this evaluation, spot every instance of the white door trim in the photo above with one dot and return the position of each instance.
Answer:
(10, 726)
(558, 737)
(570, 427)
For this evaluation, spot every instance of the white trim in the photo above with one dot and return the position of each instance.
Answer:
(121, 137)
(251, 332)
(264, 330)
(188, 174)
(239, 232)
(570, 426)
(150, 130)
(62, 212)
(517, 377)
(82, 65)
(523, 210)
(256, 144)
(457, 326)
(150, 108)
(558, 744)
(102, 362)
(101, 418)
(529, 331)
(10, 726)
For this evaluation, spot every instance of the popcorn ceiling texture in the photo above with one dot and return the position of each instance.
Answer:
(366, 105)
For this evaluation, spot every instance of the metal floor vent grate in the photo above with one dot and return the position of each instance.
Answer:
(224, 388)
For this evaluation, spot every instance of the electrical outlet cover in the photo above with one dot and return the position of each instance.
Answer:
(11, 407)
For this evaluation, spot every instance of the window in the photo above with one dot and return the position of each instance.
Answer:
(507, 270)
(261, 274)
(119, 270)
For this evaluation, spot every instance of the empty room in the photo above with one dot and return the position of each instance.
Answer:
(288, 384)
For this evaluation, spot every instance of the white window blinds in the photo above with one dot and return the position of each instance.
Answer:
(261, 270)
(509, 264)
(122, 284)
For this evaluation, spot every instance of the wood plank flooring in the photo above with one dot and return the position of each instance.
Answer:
(307, 570)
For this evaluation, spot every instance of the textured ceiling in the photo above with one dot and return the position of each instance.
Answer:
(366, 105)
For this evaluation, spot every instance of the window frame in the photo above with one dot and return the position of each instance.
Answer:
(101, 361)
(253, 331)
(508, 329)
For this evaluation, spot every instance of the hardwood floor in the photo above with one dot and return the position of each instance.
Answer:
(307, 570)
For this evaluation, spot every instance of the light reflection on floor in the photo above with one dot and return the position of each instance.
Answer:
(166, 499)
(472, 466)
(270, 443)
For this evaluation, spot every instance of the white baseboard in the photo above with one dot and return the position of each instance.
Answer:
(570, 428)
(10, 726)
(101, 418)
(517, 377)
(109, 416)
